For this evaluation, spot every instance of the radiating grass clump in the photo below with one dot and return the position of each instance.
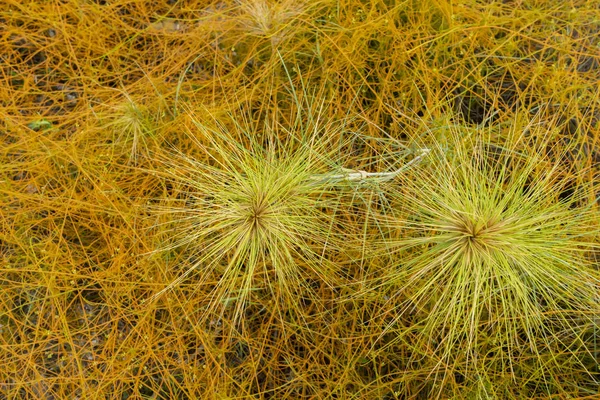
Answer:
(132, 124)
(262, 18)
(252, 214)
(493, 258)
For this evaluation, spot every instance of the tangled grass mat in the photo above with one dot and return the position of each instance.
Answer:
(250, 199)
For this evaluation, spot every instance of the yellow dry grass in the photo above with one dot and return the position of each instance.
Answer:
(245, 160)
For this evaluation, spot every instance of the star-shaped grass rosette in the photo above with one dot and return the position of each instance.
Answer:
(254, 216)
(491, 262)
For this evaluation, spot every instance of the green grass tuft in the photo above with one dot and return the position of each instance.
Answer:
(493, 260)
(252, 218)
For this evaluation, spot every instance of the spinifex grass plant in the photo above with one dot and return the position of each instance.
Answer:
(132, 124)
(493, 261)
(262, 18)
(253, 214)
